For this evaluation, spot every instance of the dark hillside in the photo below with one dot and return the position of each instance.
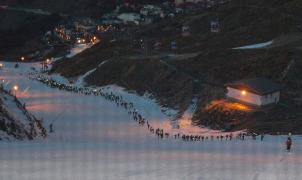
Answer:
(22, 32)
(173, 89)
(92, 8)
(241, 23)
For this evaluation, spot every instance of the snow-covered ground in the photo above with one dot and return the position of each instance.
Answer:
(78, 48)
(95, 140)
(256, 46)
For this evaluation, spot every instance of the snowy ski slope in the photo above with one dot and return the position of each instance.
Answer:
(96, 140)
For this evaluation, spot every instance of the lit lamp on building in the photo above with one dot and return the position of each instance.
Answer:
(22, 58)
(1, 65)
(255, 91)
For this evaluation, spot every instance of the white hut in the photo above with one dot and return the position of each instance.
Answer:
(257, 91)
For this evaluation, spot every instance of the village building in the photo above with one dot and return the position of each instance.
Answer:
(63, 33)
(84, 28)
(130, 18)
(151, 10)
(85, 25)
(257, 91)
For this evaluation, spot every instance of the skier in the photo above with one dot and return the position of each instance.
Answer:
(262, 137)
(221, 137)
(288, 144)
(51, 130)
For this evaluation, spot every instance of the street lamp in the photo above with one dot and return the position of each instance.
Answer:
(15, 89)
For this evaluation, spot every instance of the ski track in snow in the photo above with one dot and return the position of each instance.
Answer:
(78, 48)
(256, 46)
(95, 140)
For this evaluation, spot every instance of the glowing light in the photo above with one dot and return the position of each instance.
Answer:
(227, 105)
(1, 65)
(22, 58)
(79, 41)
(94, 37)
(15, 88)
(47, 61)
(243, 92)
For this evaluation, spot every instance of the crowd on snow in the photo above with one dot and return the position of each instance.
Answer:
(128, 106)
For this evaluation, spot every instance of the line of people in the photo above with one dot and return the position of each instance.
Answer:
(136, 116)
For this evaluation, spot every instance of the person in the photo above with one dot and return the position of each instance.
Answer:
(262, 137)
(51, 130)
(288, 144)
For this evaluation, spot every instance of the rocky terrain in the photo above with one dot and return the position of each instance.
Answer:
(15, 121)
